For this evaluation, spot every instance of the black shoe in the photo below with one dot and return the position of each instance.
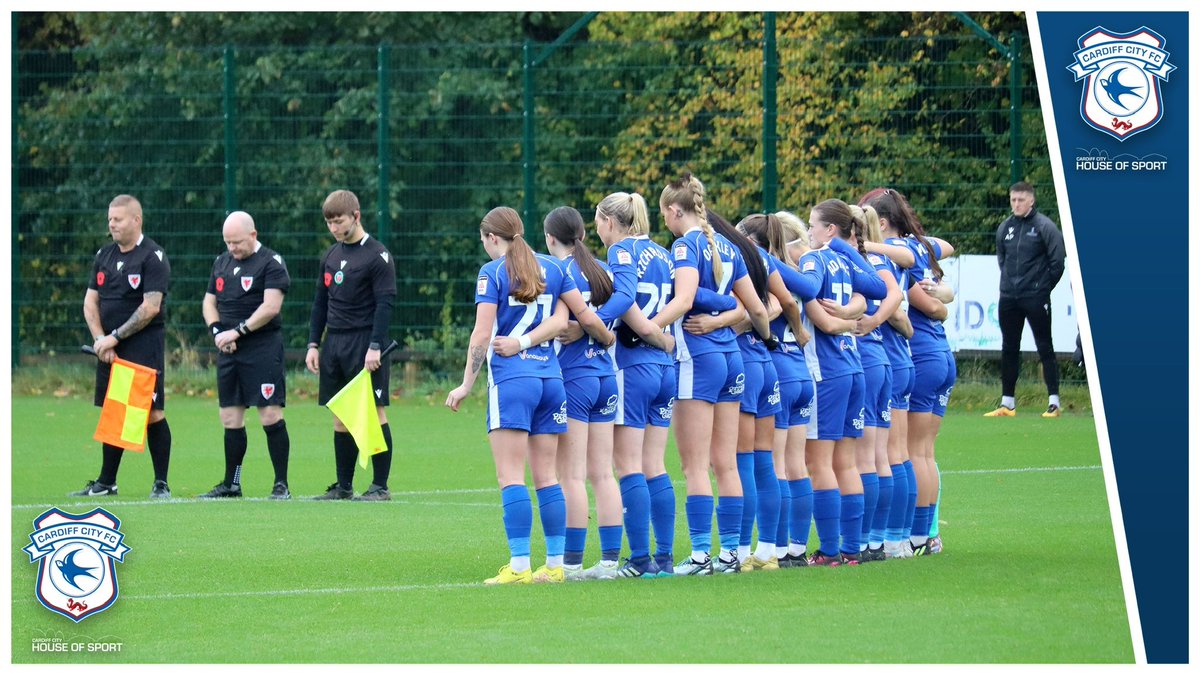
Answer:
(95, 488)
(160, 490)
(374, 493)
(872, 554)
(335, 491)
(280, 491)
(921, 550)
(222, 491)
(789, 560)
(819, 559)
(852, 558)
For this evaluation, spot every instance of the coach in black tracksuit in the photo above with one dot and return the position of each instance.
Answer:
(352, 309)
(1029, 249)
(241, 308)
(125, 310)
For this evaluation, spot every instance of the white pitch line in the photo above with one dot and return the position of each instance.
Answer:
(466, 491)
(298, 591)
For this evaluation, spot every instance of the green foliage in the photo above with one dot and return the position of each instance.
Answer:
(143, 103)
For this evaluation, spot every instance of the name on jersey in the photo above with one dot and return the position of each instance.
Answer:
(649, 255)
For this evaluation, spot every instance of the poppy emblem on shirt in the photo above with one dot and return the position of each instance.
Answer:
(99, 278)
(220, 284)
(328, 279)
(339, 277)
(247, 282)
(135, 280)
(267, 390)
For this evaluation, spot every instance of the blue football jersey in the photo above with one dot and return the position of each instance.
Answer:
(642, 273)
(583, 357)
(870, 346)
(829, 355)
(753, 349)
(692, 250)
(928, 334)
(895, 344)
(789, 359)
(515, 318)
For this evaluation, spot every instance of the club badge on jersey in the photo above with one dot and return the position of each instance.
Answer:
(247, 282)
(135, 280)
(76, 553)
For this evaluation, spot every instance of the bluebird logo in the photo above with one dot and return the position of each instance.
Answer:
(76, 575)
(739, 385)
(1121, 73)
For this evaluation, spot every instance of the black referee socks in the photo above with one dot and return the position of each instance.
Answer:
(158, 441)
(381, 462)
(344, 455)
(112, 462)
(235, 453)
(279, 447)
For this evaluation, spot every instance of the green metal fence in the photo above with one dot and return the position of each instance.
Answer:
(431, 136)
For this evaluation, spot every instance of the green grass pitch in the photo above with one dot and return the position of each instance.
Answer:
(1029, 573)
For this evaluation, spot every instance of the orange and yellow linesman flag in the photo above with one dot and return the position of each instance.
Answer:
(354, 405)
(126, 405)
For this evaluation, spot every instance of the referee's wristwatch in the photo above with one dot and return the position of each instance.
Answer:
(373, 345)
(115, 336)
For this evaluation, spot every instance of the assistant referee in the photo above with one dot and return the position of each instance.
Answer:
(352, 308)
(125, 310)
(241, 308)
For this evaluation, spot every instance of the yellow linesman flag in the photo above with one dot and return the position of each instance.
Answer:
(354, 405)
(126, 405)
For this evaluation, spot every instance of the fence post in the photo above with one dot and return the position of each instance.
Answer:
(770, 113)
(383, 215)
(1015, 116)
(230, 110)
(16, 205)
(527, 138)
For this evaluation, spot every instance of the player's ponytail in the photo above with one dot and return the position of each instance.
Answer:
(837, 213)
(795, 233)
(858, 227)
(767, 232)
(524, 272)
(628, 211)
(894, 207)
(687, 192)
(566, 225)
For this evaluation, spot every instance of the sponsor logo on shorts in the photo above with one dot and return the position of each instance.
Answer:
(610, 407)
(75, 553)
(807, 410)
(860, 420)
(669, 410)
(560, 417)
(739, 386)
(774, 398)
(886, 414)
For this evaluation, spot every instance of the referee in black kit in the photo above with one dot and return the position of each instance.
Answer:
(125, 309)
(241, 308)
(353, 305)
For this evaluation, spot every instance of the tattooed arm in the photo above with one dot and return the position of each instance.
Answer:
(142, 316)
(485, 318)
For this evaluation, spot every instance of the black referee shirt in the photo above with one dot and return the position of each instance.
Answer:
(353, 277)
(239, 284)
(122, 279)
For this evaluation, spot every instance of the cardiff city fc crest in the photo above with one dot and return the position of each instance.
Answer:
(76, 576)
(1121, 96)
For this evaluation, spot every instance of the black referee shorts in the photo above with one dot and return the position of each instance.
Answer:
(342, 358)
(253, 375)
(146, 347)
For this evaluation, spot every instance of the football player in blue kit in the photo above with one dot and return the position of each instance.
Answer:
(642, 286)
(873, 467)
(517, 314)
(835, 271)
(710, 375)
(934, 367)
